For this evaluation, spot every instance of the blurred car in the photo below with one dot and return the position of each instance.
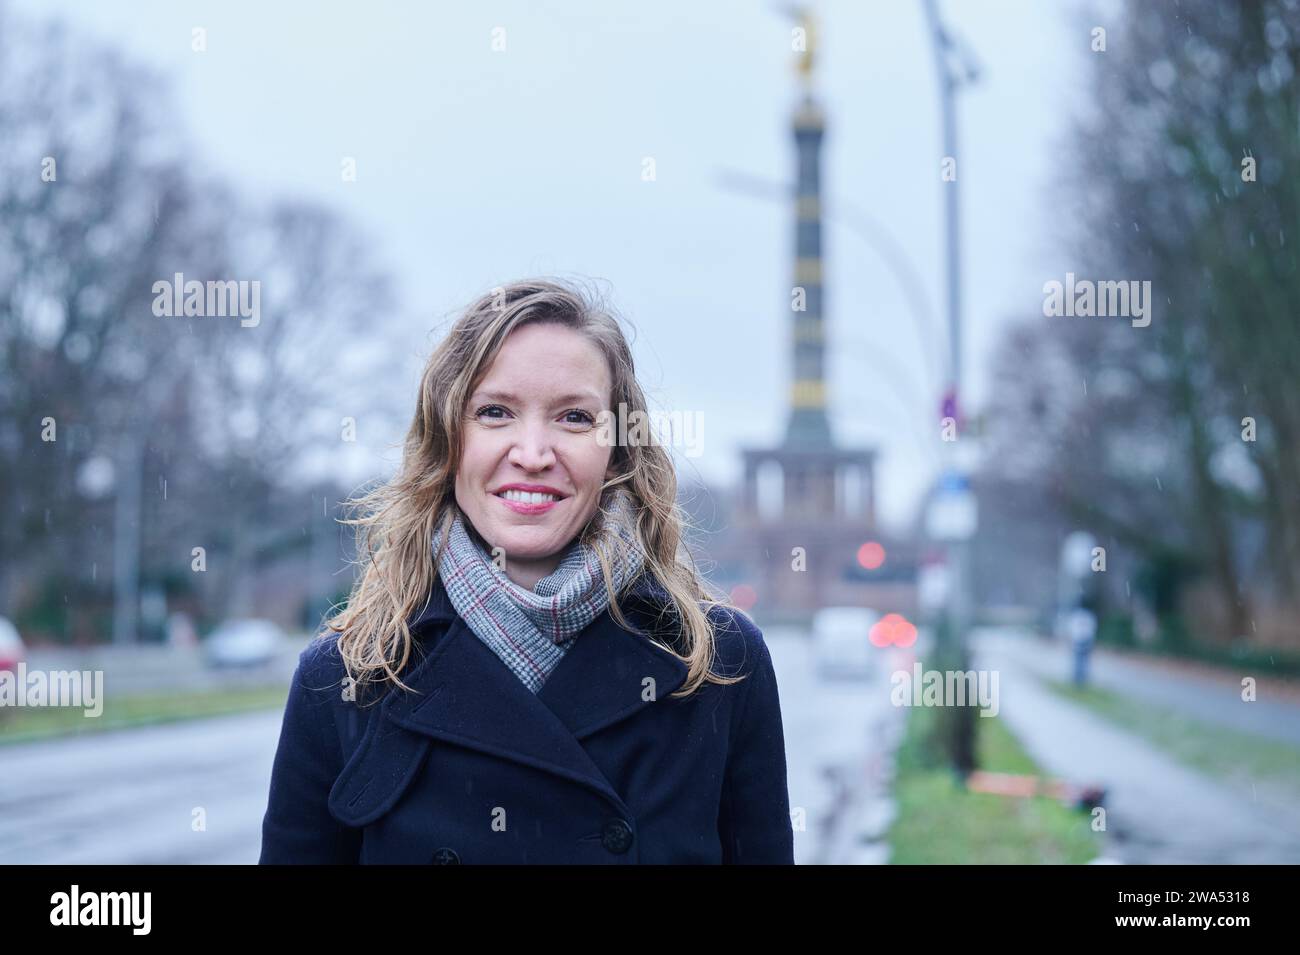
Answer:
(842, 641)
(243, 643)
(12, 648)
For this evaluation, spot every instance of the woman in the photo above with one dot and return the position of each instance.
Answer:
(529, 669)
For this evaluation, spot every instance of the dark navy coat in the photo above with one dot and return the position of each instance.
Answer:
(601, 766)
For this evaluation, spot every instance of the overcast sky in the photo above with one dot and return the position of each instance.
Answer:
(475, 167)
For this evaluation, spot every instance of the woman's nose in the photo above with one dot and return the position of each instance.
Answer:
(532, 451)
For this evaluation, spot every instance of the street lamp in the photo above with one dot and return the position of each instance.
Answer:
(954, 501)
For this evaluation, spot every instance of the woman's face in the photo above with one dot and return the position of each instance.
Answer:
(532, 428)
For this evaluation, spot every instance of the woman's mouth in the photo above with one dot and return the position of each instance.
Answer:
(528, 502)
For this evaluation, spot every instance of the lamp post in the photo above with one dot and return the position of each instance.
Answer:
(128, 528)
(956, 68)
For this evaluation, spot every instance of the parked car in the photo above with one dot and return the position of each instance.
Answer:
(842, 641)
(12, 648)
(243, 643)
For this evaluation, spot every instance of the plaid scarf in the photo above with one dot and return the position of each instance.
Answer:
(531, 630)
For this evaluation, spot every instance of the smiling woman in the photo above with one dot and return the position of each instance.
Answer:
(529, 668)
(527, 422)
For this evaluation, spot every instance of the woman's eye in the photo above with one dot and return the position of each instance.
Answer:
(498, 413)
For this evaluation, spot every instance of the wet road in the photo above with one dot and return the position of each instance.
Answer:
(195, 791)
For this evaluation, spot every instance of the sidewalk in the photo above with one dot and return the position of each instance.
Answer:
(1158, 810)
(1195, 690)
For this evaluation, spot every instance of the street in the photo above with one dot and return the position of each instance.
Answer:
(130, 796)
(194, 791)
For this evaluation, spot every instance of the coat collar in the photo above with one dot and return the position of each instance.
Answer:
(465, 695)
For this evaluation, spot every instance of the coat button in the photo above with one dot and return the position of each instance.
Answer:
(617, 836)
(446, 856)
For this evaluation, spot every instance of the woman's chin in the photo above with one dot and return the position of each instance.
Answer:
(528, 547)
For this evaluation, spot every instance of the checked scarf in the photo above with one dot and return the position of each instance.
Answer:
(531, 630)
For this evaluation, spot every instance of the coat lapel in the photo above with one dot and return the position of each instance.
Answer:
(608, 675)
(465, 695)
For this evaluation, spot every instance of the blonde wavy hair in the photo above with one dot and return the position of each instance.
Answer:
(399, 518)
